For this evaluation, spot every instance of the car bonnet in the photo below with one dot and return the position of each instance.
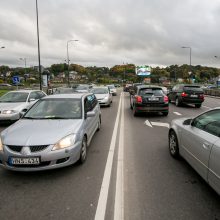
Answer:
(28, 132)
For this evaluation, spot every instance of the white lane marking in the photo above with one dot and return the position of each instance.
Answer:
(177, 113)
(160, 124)
(206, 107)
(148, 123)
(103, 196)
(119, 194)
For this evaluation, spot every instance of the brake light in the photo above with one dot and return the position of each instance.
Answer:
(201, 96)
(166, 99)
(138, 99)
(183, 94)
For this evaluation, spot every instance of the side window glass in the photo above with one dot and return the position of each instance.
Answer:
(32, 96)
(40, 95)
(88, 105)
(209, 122)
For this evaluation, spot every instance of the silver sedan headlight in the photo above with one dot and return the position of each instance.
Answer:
(65, 142)
(8, 112)
(106, 98)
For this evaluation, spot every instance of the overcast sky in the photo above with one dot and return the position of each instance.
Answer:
(111, 32)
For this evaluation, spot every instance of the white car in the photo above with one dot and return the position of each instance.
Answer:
(103, 95)
(14, 102)
(112, 89)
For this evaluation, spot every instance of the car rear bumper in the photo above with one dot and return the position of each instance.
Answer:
(164, 108)
(192, 101)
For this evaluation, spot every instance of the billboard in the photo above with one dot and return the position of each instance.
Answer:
(143, 70)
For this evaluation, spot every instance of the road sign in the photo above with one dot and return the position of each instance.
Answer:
(16, 79)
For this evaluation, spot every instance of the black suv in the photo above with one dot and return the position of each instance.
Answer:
(147, 98)
(186, 94)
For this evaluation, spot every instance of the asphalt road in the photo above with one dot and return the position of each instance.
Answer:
(150, 184)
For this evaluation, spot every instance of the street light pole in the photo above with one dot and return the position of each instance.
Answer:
(38, 43)
(25, 61)
(190, 58)
(68, 60)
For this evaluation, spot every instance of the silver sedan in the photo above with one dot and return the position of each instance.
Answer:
(14, 102)
(103, 95)
(197, 141)
(54, 133)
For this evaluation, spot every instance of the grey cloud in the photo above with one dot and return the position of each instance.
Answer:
(112, 32)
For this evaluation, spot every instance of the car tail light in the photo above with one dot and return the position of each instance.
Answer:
(201, 96)
(166, 99)
(183, 94)
(138, 99)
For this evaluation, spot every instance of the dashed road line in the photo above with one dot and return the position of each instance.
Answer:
(177, 113)
(206, 107)
(119, 194)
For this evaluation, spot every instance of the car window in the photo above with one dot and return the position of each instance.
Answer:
(100, 91)
(87, 104)
(56, 108)
(40, 94)
(151, 91)
(92, 101)
(192, 88)
(14, 97)
(209, 122)
(33, 95)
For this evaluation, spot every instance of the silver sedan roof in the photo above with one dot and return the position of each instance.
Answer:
(73, 96)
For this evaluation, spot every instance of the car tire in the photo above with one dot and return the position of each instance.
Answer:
(99, 124)
(83, 151)
(165, 113)
(198, 105)
(177, 102)
(134, 111)
(173, 144)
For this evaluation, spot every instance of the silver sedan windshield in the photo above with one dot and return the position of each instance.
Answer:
(14, 97)
(56, 109)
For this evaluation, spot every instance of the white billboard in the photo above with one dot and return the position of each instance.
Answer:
(143, 70)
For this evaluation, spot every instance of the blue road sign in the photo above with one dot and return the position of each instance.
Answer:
(16, 79)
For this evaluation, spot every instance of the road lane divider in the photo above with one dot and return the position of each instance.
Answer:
(177, 113)
(206, 107)
(119, 194)
(103, 196)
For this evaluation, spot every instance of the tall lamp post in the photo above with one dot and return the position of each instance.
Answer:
(38, 43)
(190, 58)
(68, 60)
(25, 62)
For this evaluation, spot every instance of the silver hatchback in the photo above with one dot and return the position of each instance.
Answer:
(54, 133)
(198, 141)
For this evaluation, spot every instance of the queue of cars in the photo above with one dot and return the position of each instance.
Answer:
(54, 131)
(194, 139)
(74, 119)
(31, 144)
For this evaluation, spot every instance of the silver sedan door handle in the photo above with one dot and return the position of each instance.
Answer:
(206, 145)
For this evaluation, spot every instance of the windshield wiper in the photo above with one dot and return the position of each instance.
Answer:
(54, 117)
(29, 117)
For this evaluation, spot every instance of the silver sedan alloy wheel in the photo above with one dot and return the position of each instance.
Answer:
(173, 144)
(83, 152)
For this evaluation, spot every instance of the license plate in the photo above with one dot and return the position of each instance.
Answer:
(25, 161)
(153, 99)
(194, 96)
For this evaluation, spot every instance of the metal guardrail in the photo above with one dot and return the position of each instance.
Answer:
(212, 92)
